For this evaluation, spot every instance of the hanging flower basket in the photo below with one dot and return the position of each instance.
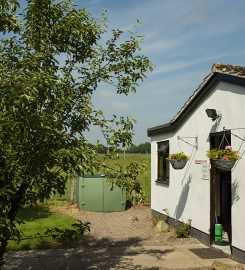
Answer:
(178, 160)
(224, 164)
(178, 164)
(224, 159)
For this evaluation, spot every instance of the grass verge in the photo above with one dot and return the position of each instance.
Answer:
(37, 220)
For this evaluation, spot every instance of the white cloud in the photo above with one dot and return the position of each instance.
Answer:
(162, 44)
(111, 101)
(120, 106)
(174, 66)
(95, 2)
(106, 94)
(183, 39)
(157, 46)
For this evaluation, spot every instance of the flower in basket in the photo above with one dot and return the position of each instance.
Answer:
(225, 154)
(178, 156)
(178, 160)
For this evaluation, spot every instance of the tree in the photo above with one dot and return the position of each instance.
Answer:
(132, 149)
(143, 148)
(52, 59)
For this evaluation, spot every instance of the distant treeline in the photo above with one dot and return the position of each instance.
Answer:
(143, 148)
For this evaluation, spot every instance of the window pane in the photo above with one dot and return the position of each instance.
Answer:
(163, 163)
(160, 166)
(163, 147)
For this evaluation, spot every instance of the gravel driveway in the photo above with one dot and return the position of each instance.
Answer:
(131, 227)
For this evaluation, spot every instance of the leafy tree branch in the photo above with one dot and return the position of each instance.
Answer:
(53, 57)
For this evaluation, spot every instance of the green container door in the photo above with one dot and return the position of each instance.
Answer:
(90, 195)
(114, 200)
(93, 193)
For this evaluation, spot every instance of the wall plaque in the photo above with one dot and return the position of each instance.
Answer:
(205, 171)
(201, 161)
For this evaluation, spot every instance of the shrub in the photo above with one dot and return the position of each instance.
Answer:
(68, 235)
(183, 231)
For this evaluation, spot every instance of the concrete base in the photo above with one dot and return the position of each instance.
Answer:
(140, 257)
(238, 254)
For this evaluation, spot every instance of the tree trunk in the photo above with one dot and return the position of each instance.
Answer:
(3, 245)
(15, 206)
(133, 196)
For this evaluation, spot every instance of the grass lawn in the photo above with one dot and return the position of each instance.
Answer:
(40, 218)
(37, 220)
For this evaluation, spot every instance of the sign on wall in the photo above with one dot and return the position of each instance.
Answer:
(205, 171)
(201, 161)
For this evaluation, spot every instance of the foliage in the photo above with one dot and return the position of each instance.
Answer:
(66, 236)
(122, 163)
(178, 156)
(52, 59)
(8, 19)
(225, 154)
(139, 197)
(183, 231)
(156, 219)
(166, 211)
(142, 148)
(128, 179)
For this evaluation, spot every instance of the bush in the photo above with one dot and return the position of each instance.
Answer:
(183, 231)
(68, 235)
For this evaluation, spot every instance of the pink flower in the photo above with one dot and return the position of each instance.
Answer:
(228, 147)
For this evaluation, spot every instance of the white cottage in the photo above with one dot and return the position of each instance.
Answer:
(214, 116)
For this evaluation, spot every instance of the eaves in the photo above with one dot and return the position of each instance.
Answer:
(193, 102)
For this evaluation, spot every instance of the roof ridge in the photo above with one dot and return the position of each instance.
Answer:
(230, 72)
(229, 69)
(200, 86)
(238, 71)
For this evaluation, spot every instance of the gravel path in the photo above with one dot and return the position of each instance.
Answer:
(131, 227)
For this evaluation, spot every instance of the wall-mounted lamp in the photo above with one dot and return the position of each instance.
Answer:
(212, 114)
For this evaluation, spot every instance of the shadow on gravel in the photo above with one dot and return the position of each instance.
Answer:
(120, 254)
(105, 241)
(100, 254)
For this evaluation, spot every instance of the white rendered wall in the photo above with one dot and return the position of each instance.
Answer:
(188, 195)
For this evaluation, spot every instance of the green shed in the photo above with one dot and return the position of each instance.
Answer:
(93, 193)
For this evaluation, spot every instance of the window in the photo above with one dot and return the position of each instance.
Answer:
(163, 163)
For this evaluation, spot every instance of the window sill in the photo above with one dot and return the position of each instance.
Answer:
(162, 181)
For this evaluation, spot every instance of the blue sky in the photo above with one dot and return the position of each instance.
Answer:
(183, 38)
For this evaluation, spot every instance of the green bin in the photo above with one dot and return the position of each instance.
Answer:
(93, 193)
(218, 234)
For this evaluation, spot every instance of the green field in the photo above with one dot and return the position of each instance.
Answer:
(123, 161)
